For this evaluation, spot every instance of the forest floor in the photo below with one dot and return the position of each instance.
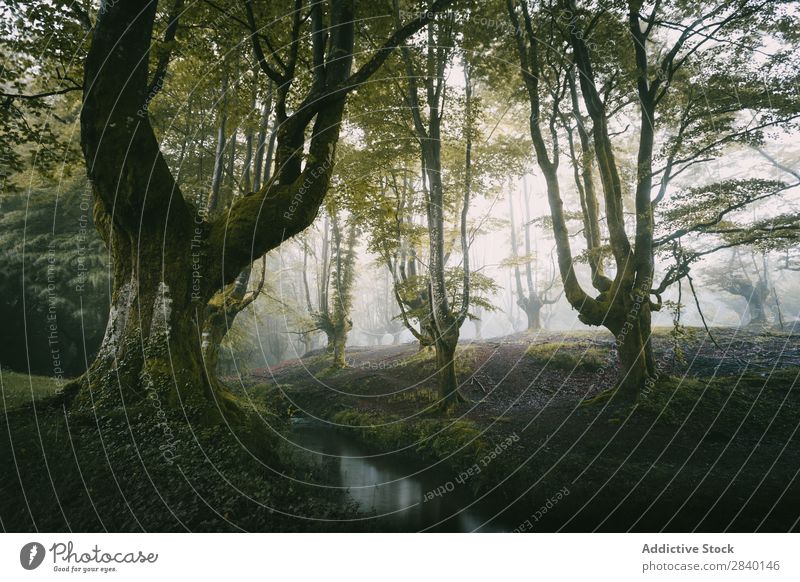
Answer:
(712, 446)
(130, 469)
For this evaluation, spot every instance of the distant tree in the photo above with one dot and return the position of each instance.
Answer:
(747, 275)
(534, 295)
(425, 70)
(333, 317)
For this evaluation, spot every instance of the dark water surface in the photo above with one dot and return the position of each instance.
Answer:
(394, 486)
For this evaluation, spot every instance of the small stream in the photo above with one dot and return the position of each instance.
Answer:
(395, 486)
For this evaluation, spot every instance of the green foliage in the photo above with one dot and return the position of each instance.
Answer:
(483, 288)
(705, 206)
(42, 46)
(53, 278)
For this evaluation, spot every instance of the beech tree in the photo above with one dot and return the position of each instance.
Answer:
(653, 62)
(533, 296)
(168, 260)
(746, 275)
(429, 78)
(334, 316)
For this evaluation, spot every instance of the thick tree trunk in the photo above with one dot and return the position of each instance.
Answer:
(445, 347)
(167, 263)
(214, 331)
(758, 316)
(149, 349)
(339, 342)
(336, 334)
(757, 305)
(634, 347)
(623, 305)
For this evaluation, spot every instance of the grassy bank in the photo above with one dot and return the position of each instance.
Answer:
(712, 446)
(699, 450)
(136, 470)
(20, 389)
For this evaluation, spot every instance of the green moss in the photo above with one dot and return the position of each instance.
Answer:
(424, 360)
(422, 357)
(423, 396)
(563, 356)
(20, 389)
(724, 400)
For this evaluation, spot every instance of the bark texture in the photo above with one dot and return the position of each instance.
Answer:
(622, 304)
(168, 260)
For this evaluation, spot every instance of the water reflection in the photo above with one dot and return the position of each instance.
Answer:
(394, 486)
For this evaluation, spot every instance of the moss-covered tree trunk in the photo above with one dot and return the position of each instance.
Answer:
(632, 332)
(757, 308)
(168, 263)
(447, 380)
(623, 304)
(335, 307)
(339, 341)
(148, 349)
(445, 326)
(221, 312)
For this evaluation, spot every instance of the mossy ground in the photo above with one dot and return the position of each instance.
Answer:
(133, 470)
(563, 356)
(19, 389)
(712, 446)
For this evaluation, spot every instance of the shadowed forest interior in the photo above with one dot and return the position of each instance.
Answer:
(399, 265)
